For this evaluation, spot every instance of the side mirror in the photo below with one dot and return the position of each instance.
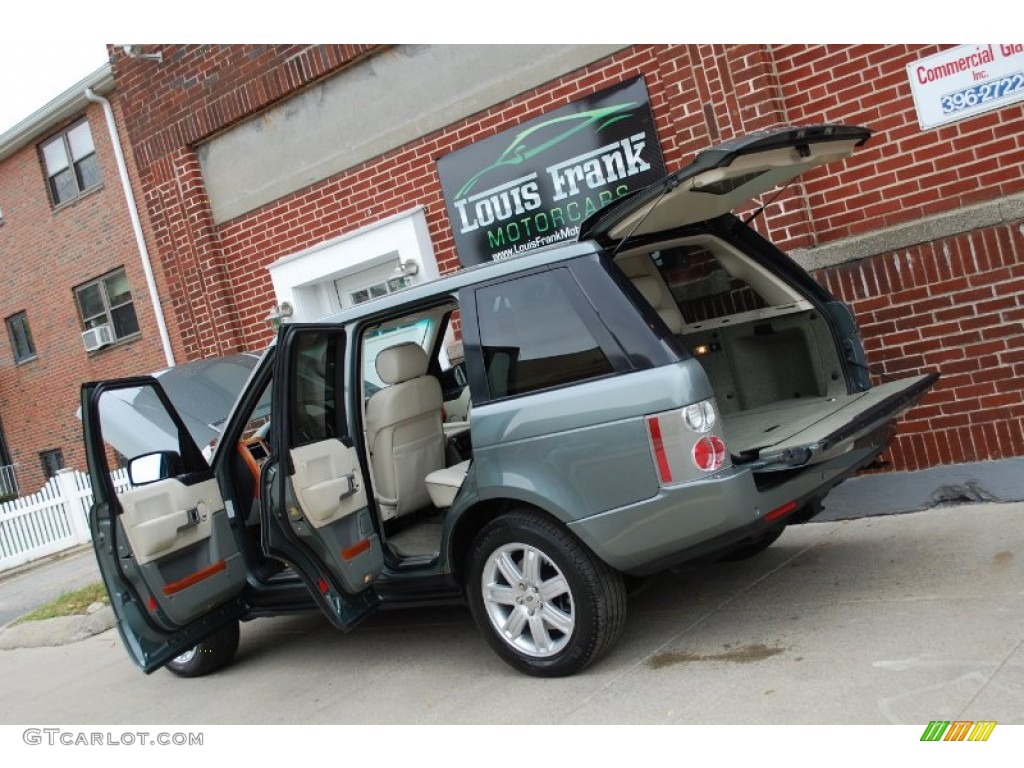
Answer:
(151, 467)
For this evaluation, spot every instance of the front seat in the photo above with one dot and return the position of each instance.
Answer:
(404, 432)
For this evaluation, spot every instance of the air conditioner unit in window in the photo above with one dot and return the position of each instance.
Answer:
(98, 337)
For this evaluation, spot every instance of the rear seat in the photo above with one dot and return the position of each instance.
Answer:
(443, 484)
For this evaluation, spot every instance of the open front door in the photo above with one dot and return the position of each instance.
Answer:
(314, 491)
(162, 535)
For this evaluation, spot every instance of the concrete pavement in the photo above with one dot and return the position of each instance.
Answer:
(894, 619)
(36, 584)
(26, 588)
(886, 493)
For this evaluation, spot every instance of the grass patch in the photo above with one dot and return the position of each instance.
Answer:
(69, 604)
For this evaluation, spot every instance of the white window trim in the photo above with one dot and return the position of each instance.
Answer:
(65, 142)
(306, 279)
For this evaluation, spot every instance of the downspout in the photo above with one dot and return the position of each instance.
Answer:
(133, 212)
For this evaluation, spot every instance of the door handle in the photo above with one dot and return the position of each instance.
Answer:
(350, 478)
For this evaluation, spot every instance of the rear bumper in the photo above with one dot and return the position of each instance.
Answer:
(695, 519)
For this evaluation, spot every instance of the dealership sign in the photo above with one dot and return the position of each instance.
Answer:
(534, 184)
(966, 81)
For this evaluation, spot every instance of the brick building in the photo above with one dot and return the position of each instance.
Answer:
(74, 294)
(305, 178)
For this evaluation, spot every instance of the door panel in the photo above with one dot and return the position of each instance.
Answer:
(331, 515)
(184, 551)
(163, 539)
(167, 516)
(327, 481)
(331, 495)
(315, 504)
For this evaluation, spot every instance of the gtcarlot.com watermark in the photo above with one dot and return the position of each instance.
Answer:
(54, 737)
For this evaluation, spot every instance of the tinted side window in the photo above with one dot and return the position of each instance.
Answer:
(313, 410)
(532, 337)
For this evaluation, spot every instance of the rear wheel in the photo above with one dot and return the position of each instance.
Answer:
(545, 603)
(208, 656)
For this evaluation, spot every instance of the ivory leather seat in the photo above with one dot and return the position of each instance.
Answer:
(444, 484)
(404, 431)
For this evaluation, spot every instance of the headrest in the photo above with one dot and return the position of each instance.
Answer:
(401, 363)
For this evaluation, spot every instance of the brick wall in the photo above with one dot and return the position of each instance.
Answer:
(903, 173)
(955, 306)
(168, 108)
(46, 252)
(700, 95)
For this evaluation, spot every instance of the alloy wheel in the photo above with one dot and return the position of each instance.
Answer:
(528, 600)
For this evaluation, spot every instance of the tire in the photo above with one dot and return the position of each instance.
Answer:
(546, 604)
(211, 654)
(754, 546)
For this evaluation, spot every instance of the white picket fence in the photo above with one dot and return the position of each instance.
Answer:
(52, 520)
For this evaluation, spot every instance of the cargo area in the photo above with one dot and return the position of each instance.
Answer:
(769, 353)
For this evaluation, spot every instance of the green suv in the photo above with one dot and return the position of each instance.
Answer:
(668, 387)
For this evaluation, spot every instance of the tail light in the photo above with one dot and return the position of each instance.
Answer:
(709, 453)
(685, 444)
(700, 417)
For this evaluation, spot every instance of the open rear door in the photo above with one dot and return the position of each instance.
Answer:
(313, 489)
(161, 533)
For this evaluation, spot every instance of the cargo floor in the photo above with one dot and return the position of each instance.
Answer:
(791, 423)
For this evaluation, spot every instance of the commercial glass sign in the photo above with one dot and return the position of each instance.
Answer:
(965, 81)
(532, 185)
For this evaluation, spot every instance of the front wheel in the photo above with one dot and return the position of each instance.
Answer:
(544, 602)
(209, 655)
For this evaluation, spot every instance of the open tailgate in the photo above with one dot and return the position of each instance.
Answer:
(796, 433)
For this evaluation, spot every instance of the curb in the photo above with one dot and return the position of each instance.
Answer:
(60, 630)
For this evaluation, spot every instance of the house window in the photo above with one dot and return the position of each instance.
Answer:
(108, 301)
(5, 454)
(52, 461)
(21, 337)
(71, 165)
(376, 290)
(8, 479)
